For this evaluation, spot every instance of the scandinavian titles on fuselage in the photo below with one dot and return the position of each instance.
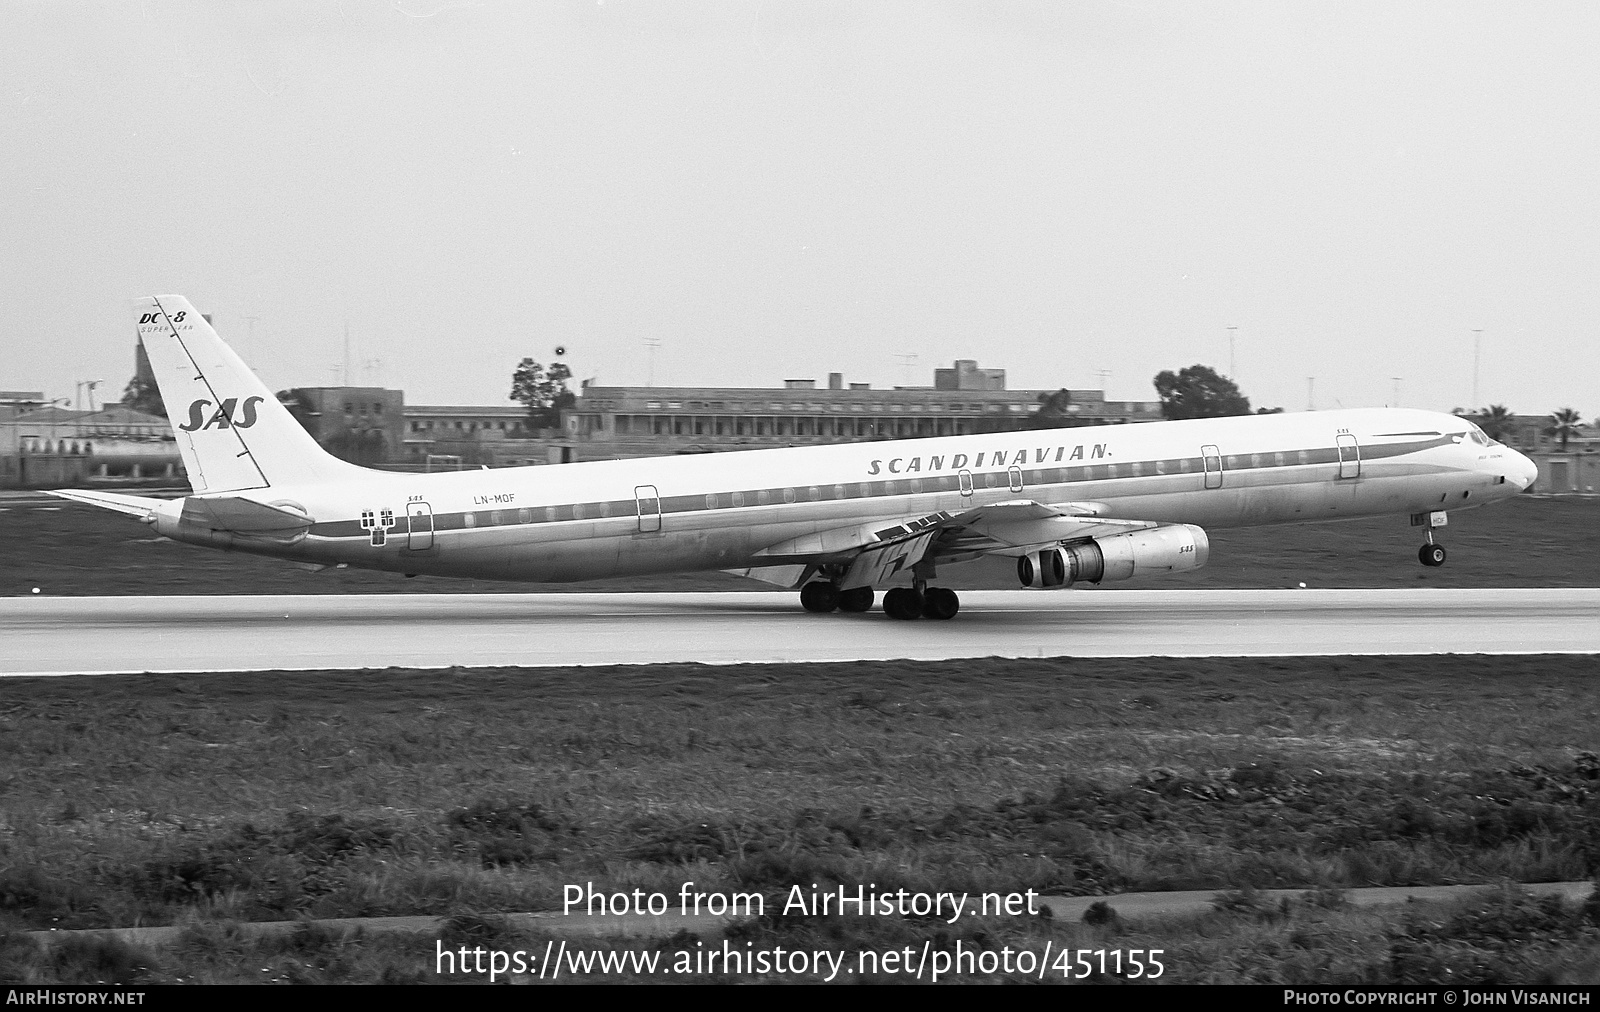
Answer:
(997, 458)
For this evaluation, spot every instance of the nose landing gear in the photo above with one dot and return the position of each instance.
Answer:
(1430, 554)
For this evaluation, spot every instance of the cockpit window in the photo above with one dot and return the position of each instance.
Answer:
(1476, 435)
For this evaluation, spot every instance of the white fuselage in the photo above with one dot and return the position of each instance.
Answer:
(730, 510)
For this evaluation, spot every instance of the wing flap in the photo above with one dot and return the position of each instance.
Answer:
(883, 563)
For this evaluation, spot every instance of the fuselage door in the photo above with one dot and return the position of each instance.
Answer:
(649, 508)
(1349, 456)
(1211, 461)
(965, 478)
(1015, 474)
(419, 526)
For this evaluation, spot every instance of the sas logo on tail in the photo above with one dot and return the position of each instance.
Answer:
(222, 418)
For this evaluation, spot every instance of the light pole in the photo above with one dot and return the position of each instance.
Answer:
(1232, 333)
(1477, 342)
(651, 344)
(907, 360)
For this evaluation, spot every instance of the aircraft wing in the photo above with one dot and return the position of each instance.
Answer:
(874, 552)
(1013, 528)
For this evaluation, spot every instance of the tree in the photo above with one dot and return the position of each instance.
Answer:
(300, 406)
(544, 392)
(359, 446)
(1054, 412)
(142, 396)
(1495, 421)
(1198, 392)
(1563, 425)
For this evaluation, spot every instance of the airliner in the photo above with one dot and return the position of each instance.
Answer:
(836, 522)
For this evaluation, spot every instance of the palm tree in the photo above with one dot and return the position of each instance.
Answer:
(1495, 421)
(1563, 426)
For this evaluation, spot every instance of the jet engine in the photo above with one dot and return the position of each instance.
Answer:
(1171, 549)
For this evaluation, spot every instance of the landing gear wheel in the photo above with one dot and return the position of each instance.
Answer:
(1431, 555)
(940, 603)
(819, 596)
(856, 599)
(902, 603)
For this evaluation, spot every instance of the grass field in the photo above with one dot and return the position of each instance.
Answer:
(179, 799)
(1526, 542)
(203, 800)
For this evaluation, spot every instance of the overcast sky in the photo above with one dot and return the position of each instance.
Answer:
(781, 189)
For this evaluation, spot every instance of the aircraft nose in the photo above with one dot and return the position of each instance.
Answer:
(1523, 472)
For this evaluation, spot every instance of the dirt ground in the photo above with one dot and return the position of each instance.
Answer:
(1532, 541)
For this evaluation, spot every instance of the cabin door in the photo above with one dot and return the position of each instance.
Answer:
(1349, 456)
(648, 503)
(419, 526)
(1211, 462)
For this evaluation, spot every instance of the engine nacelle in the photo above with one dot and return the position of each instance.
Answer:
(1172, 549)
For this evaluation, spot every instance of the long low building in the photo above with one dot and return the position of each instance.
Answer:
(647, 421)
(50, 447)
(607, 422)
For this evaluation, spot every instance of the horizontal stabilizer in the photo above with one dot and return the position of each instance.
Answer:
(244, 516)
(133, 505)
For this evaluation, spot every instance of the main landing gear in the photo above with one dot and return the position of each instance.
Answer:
(1430, 554)
(919, 601)
(821, 597)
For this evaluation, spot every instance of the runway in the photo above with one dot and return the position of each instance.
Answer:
(101, 635)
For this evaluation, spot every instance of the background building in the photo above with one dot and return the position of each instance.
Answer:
(364, 425)
(648, 421)
(52, 447)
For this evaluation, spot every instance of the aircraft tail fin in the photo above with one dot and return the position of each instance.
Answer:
(231, 430)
